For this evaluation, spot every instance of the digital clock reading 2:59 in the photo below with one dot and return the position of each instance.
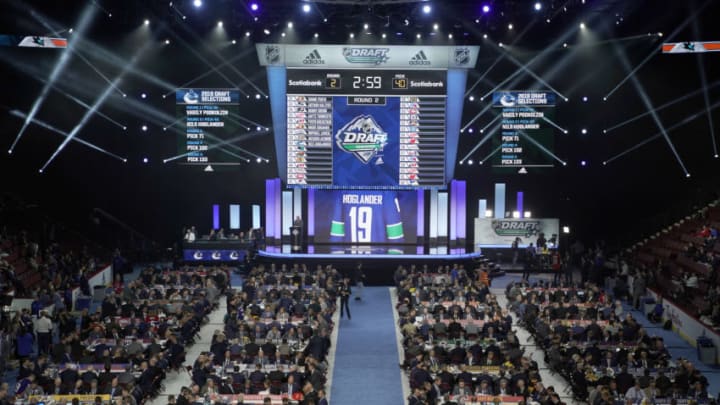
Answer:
(370, 81)
(367, 82)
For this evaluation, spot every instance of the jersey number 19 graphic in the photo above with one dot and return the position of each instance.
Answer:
(366, 217)
(360, 224)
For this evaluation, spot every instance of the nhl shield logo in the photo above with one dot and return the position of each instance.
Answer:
(362, 137)
(462, 56)
(272, 54)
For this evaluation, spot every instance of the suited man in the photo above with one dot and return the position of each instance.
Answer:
(624, 380)
(311, 396)
(484, 388)
(663, 383)
(315, 377)
(290, 386)
(57, 387)
(417, 397)
(69, 375)
(226, 387)
(461, 389)
(345, 293)
(503, 388)
(114, 389)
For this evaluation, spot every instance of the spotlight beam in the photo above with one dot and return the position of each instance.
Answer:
(98, 102)
(528, 71)
(657, 135)
(547, 51)
(487, 71)
(497, 117)
(706, 96)
(108, 81)
(649, 106)
(43, 124)
(81, 103)
(231, 66)
(485, 159)
(199, 56)
(663, 106)
(247, 120)
(540, 146)
(500, 57)
(546, 119)
(57, 70)
(478, 115)
(209, 72)
(653, 52)
(482, 141)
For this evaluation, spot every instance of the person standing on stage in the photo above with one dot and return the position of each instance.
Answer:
(359, 282)
(345, 292)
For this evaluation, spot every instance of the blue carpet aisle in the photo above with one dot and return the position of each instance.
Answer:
(366, 365)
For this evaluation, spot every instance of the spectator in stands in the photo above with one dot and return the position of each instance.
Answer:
(43, 329)
(635, 393)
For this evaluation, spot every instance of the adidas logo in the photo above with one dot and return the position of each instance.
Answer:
(313, 58)
(420, 59)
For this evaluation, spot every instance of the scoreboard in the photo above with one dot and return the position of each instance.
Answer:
(366, 128)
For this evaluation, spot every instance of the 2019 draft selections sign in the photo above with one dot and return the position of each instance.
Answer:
(207, 115)
(524, 130)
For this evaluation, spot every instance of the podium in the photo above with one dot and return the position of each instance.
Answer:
(296, 238)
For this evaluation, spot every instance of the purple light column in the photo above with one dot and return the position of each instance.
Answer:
(269, 208)
(311, 212)
(519, 205)
(278, 206)
(216, 216)
(462, 210)
(453, 209)
(420, 213)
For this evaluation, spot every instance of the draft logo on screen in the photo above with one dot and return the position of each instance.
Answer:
(364, 138)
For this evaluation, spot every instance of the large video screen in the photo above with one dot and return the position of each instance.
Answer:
(527, 137)
(208, 123)
(365, 216)
(372, 129)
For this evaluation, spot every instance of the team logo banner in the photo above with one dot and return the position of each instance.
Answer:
(202, 255)
(691, 47)
(378, 57)
(32, 41)
(508, 99)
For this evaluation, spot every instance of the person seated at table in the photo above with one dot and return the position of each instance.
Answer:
(697, 391)
(503, 387)
(91, 388)
(491, 359)
(458, 355)
(635, 393)
(461, 389)
(484, 387)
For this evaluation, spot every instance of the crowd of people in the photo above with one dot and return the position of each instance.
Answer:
(684, 265)
(603, 351)
(275, 339)
(124, 348)
(458, 342)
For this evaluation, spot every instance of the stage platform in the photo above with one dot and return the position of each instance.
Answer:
(379, 262)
